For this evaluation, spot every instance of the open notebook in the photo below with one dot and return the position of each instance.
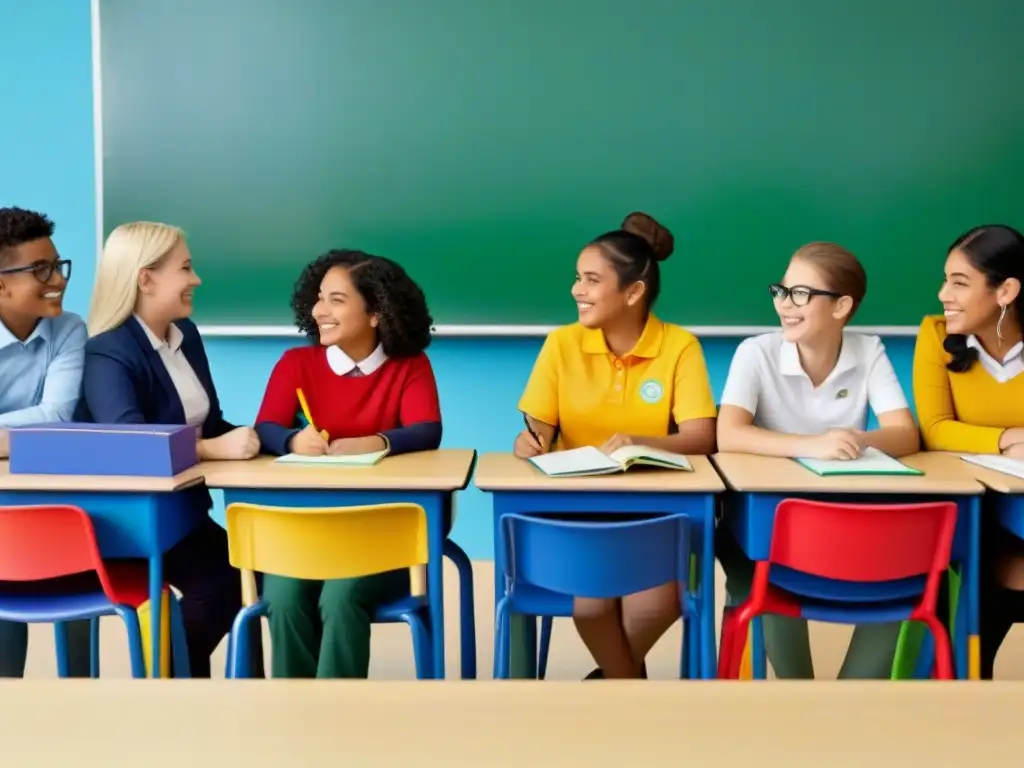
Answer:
(997, 463)
(871, 462)
(351, 460)
(584, 462)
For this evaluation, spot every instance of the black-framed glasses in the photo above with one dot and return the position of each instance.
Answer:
(799, 294)
(43, 270)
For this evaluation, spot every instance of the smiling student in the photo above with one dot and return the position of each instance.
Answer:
(970, 396)
(145, 364)
(805, 391)
(620, 376)
(41, 352)
(370, 387)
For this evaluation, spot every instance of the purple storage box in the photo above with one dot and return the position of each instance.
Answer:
(140, 450)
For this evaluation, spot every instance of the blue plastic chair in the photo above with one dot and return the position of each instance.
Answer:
(51, 572)
(548, 562)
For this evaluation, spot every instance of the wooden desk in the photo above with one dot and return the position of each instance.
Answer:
(97, 483)
(1006, 500)
(443, 470)
(137, 517)
(518, 487)
(759, 483)
(943, 475)
(504, 472)
(269, 724)
(429, 478)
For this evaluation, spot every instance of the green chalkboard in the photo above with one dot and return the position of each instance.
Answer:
(483, 142)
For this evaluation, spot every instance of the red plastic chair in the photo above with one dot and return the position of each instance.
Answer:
(51, 571)
(850, 563)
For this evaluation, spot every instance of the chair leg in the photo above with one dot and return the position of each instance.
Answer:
(94, 647)
(758, 655)
(737, 647)
(467, 608)
(422, 645)
(135, 650)
(943, 649)
(547, 624)
(179, 641)
(60, 641)
(726, 643)
(238, 663)
(502, 641)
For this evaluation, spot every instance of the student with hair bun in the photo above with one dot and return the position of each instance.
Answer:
(970, 396)
(620, 376)
(805, 391)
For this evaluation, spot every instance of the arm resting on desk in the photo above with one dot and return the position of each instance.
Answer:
(897, 434)
(425, 436)
(695, 437)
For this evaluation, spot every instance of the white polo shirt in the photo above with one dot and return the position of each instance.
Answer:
(767, 380)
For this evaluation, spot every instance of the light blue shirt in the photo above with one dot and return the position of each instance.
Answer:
(41, 377)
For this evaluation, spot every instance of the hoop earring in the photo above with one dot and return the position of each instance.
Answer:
(999, 324)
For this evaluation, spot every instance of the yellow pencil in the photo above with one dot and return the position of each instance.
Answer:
(309, 417)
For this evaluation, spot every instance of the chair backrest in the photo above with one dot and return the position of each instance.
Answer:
(863, 542)
(320, 543)
(595, 559)
(47, 542)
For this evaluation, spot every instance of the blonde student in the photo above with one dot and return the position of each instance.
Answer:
(805, 391)
(970, 396)
(620, 376)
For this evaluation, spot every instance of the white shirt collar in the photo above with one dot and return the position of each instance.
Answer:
(41, 331)
(1011, 366)
(174, 336)
(789, 359)
(343, 365)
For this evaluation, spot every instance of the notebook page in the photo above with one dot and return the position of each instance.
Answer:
(870, 461)
(574, 462)
(627, 452)
(997, 463)
(351, 460)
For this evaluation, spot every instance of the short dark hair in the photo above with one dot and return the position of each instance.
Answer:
(18, 226)
(997, 251)
(634, 250)
(404, 321)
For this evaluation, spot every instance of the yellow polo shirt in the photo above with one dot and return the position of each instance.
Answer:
(579, 386)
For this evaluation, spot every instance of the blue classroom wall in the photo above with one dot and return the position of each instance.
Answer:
(46, 145)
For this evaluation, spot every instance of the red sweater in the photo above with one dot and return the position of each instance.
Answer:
(398, 400)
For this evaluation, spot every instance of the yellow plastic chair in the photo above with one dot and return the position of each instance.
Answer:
(323, 543)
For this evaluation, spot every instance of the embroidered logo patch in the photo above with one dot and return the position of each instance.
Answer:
(651, 391)
(841, 394)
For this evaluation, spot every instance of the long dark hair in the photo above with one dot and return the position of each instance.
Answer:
(997, 251)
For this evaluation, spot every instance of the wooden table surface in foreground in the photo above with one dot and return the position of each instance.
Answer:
(308, 723)
(944, 474)
(443, 470)
(504, 472)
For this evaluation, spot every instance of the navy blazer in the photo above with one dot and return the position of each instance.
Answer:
(126, 382)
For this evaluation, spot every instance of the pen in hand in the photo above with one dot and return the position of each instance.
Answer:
(533, 434)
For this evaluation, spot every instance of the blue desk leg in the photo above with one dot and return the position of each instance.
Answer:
(156, 590)
(708, 655)
(435, 576)
(972, 592)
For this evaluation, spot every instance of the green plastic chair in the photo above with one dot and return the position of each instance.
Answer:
(912, 634)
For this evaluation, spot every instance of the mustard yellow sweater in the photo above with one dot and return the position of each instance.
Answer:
(964, 412)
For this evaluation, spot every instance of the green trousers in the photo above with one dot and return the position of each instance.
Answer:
(14, 648)
(786, 640)
(322, 628)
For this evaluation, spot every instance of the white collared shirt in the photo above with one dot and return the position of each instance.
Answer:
(194, 400)
(767, 380)
(1011, 366)
(343, 365)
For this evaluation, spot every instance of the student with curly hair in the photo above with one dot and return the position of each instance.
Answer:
(369, 387)
(41, 352)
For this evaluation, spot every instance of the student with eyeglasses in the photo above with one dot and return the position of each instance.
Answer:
(805, 391)
(42, 349)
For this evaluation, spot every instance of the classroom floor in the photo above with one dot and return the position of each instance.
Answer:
(569, 660)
